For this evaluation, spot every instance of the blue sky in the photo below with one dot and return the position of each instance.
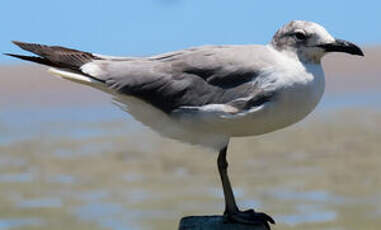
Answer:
(144, 27)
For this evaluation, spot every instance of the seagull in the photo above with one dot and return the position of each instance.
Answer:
(206, 95)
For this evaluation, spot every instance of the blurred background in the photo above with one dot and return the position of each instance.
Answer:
(69, 159)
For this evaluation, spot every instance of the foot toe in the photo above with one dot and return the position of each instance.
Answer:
(265, 217)
(252, 218)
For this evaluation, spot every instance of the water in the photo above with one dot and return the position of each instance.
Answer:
(18, 223)
(93, 167)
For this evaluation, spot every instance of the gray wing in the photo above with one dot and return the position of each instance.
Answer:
(187, 78)
(223, 66)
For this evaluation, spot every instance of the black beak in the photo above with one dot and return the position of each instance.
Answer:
(342, 46)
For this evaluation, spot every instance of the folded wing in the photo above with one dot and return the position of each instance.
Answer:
(197, 77)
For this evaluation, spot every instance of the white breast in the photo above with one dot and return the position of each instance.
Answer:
(298, 95)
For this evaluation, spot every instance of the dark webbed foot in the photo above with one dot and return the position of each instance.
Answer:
(250, 217)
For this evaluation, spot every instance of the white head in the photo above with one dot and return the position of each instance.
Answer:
(310, 41)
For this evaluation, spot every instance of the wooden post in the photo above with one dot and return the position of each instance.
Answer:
(213, 223)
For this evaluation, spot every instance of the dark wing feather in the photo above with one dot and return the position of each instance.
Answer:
(164, 90)
(39, 60)
(55, 56)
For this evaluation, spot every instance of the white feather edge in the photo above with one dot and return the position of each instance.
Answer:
(223, 111)
(81, 79)
(78, 78)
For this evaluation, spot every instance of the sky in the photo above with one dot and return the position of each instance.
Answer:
(146, 27)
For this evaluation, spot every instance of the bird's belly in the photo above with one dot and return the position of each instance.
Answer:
(190, 131)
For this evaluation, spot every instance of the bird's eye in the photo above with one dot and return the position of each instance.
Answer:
(300, 36)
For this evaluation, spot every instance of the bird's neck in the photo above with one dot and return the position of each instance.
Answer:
(302, 56)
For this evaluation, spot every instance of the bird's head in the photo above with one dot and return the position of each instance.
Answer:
(310, 41)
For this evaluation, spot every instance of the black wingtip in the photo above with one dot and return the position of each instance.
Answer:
(31, 47)
(35, 59)
(22, 57)
(16, 42)
(55, 56)
(12, 55)
(19, 43)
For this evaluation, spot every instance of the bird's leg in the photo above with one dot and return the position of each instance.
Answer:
(230, 204)
(231, 209)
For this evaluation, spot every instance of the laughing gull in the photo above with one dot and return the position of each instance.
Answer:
(206, 95)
